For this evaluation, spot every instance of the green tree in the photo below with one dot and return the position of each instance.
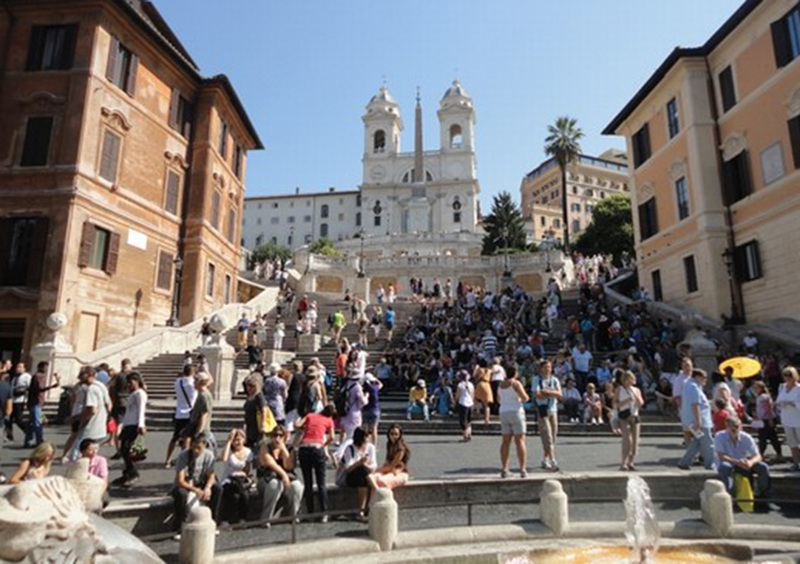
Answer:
(270, 251)
(563, 143)
(325, 247)
(505, 229)
(611, 229)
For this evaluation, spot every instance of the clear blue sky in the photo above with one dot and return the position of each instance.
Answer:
(305, 69)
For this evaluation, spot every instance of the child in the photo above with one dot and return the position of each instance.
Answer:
(593, 405)
(721, 414)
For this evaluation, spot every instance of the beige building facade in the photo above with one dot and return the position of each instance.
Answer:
(121, 171)
(589, 181)
(714, 144)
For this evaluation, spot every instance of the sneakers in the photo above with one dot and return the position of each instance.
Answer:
(523, 473)
(554, 465)
(324, 519)
(504, 473)
(545, 466)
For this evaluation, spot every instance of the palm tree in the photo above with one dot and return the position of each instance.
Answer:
(562, 142)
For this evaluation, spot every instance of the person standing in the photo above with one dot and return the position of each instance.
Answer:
(765, 420)
(389, 318)
(465, 402)
(278, 333)
(483, 388)
(696, 416)
(185, 394)
(582, 363)
(294, 390)
(118, 390)
(788, 403)
(202, 412)
(628, 401)
(94, 417)
(36, 398)
(512, 396)
(355, 399)
(317, 435)
(547, 390)
(133, 426)
(276, 391)
(20, 381)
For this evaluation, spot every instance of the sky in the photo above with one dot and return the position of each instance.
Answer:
(305, 70)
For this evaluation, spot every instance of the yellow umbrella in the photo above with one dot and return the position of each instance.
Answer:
(743, 367)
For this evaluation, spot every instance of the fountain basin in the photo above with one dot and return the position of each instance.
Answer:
(616, 554)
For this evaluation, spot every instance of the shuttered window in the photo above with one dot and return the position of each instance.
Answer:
(23, 242)
(109, 156)
(231, 225)
(164, 277)
(223, 139)
(727, 89)
(36, 148)
(52, 47)
(173, 190)
(180, 114)
(237, 161)
(122, 66)
(210, 271)
(794, 135)
(786, 38)
(99, 248)
(228, 287)
(215, 203)
(691, 274)
(648, 219)
(747, 261)
(737, 182)
(641, 145)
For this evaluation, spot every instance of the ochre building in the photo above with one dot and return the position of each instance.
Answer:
(714, 144)
(121, 174)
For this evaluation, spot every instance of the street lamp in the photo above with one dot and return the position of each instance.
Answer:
(361, 273)
(728, 258)
(176, 293)
(548, 242)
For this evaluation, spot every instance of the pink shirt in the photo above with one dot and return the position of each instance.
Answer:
(98, 466)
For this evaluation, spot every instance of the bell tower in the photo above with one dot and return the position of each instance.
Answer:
(456, 120)
(382, 127)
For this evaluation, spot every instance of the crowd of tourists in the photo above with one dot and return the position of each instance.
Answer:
(468, 352)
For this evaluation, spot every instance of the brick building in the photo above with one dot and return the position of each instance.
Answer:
(121, 174)
(714, 144)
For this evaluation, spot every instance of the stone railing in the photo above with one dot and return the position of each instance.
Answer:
(148, 344)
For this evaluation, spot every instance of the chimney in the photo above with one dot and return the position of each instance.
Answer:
(297, 190)
(332, 189)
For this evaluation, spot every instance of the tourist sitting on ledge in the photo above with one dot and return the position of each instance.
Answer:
(394, 472)
(418, 399)
(737, 454)
(195, 480)
(36, 466)
(356, 461)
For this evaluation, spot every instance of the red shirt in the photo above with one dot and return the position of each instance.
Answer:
(719, 419)
(316, 427)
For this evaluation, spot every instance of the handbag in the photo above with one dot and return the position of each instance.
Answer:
(266, 423)
(624, 414)
(138, 450)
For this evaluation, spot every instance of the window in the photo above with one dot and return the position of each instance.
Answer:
(589, 208)
(290, 240)
(726, 88)
(794, 135)
(324, 211)
(52, 47)
(238, 156)
(323, 230)
(99, 248)
(658, 294)
(672, 118)
(557, 223)
(222, 144)
(358, 200)
(273, 240)
(542, 221)
(164, 276)
(682, 197)
(377, 221)
(457, 217)
(173, 189)
(216, 201)
(786, 37)
(602, 195)
(22, 248)
(306, 219)
(210, 280)
(748, 262)
(341, 201)
(122, 66)
(291, 204)
(109, 156)
(691, 274)
(37, 141)
(358, 219)
(648, 219)
(290, 219)
(641, 145)
(341, 217)
(274, 220)
(456, 136)
(379, 141)
(574, 191)
(736, 178)
(576, 225)
(275, 205)
(231, 225)
(307, 239)
(575, 207)
(180, 114)
(228, 285)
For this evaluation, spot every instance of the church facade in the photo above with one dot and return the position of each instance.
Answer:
(416, 194)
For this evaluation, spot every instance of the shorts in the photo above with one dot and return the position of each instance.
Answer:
(792, 436)
(464, 416)
(389, 326)
(178, 425)
(513, 423)
(370, 418)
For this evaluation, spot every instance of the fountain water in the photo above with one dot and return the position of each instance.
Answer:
(642, 529)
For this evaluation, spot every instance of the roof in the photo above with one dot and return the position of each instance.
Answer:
(225, 83)
(304, 195)
(582, 160)
(677, 54)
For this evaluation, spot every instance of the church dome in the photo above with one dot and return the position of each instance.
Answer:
(382, 104)
(455, 91)
(383, 96)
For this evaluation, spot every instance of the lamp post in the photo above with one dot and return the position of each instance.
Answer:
(548, 242)
(176, 293)
(736, 311)
(361, 273)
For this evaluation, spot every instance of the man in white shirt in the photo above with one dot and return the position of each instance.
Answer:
(20, 383)
(582, 366)
(94, 417)
(185, 394)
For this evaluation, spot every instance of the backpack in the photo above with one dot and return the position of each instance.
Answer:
(342, 400)
(331, 319)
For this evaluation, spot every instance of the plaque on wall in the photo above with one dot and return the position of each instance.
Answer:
(772, 164)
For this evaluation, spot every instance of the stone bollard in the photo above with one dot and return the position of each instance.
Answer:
(198, 537)
(717, 507)
(554, 508)
(383, 519)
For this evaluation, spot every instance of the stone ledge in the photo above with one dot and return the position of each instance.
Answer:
(317, 551)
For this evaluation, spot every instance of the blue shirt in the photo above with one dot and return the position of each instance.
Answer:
(693, 394)
(390, 316)
(745, 447)
(550, 383)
